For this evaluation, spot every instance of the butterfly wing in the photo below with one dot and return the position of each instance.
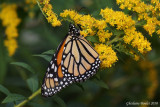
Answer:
(54, 80)
(80, 61)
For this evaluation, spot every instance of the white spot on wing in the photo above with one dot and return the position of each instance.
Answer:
(61, 82)
(51, 62)
(55, 69)
(48, 69)
(51, 75)
(56, 79)
(63, 68)
(52, 66)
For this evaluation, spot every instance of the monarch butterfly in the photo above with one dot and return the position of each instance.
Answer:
(74, 61)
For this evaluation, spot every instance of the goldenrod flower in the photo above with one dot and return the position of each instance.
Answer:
(148, 12)
(100, 24)
(135, 56)
(137, 40)
(9, 16)
(10, 20)
(103, 35)
(125, 22)
(50, 15)
(117, 18)
(106, 55)
(158, 32)
(11, 32)
(150, 27)
(86, 21)
(11, 44)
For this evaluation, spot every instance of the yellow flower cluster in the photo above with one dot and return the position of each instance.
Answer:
(135, 56)
(50, 15)
(86, 21)
(10, 20)
(148, 12)
(158, 32)
(125, 23)
(90, 25)
(151, 25)
(106, 55)
(117, 18)
(137, 40)
(156, 9)
(102, 34)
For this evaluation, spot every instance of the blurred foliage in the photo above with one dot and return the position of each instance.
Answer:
(21, 75)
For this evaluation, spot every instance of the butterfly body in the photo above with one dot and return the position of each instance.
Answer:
(74, 61)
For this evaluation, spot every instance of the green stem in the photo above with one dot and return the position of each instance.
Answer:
(29, 98)
(41, 9)
(114, 40)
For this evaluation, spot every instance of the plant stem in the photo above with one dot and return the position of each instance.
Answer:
(29, 98)
(41, 9)
(114, 40)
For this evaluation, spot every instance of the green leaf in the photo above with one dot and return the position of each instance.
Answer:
(46, 57)
(124, 50)
(24, 65)
(118, 32)
(101, 83)
(3, 59)
(13, 97)
(4, 90)
(93, 39)
(49, 52)
(59, 101)
(32, 84)
(136, 51)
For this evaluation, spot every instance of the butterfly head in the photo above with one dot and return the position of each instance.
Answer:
(73, 31)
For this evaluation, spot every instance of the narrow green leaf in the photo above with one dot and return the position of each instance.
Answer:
(123, 49)
(3, 59)
(32, 84)
(13, 97)
(49, 52)
(136, 51)
(46, 57)
(4, 90)
(59, 101)
(93, 39)
(118, 32)
(101, 83)
(24, 65)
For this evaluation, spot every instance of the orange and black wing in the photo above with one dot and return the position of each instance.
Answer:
(80, 61)
(54, 80)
